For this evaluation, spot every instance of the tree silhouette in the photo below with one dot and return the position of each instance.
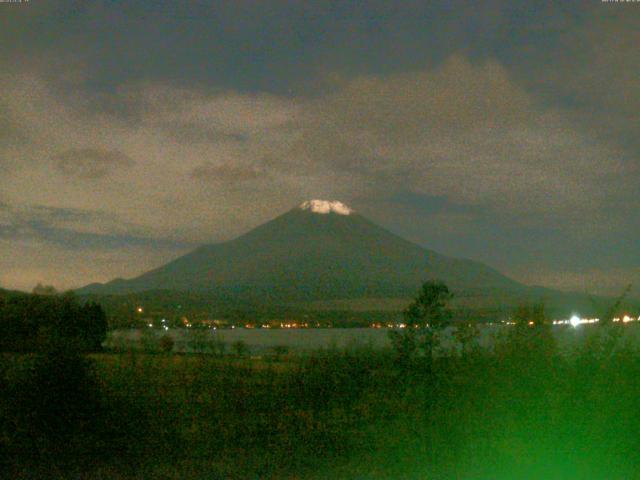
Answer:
(427, 315)
(40, 322)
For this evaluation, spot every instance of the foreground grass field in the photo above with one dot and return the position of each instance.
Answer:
(520, 411)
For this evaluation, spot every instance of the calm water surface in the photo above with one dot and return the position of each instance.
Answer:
(261, 340)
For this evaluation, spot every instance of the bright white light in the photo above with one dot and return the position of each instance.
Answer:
(575, 321)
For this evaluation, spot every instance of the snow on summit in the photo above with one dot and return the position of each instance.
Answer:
(326, 206)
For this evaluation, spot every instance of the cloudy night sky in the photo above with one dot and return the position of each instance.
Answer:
(502, 131)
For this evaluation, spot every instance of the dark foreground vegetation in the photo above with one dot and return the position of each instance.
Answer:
(30, 323)
(523, 410)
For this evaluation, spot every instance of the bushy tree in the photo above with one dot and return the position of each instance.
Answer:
(530, 339)
(424, 318)
(37, 322)
(166, 343)
(279, 351)
(240, 348)
(608, 335)
(199, 341)
(466, 334)
(94, 325)
(41, 289)
(218, 346)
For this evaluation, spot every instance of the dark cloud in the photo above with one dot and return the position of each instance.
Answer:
(91, 163)
(280, 45)
(77, 240)
(225, 173)
(194, 132)
(428, 205)
(70, 228)
(40, 214)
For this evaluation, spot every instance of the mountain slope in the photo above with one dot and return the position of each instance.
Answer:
(314, 252)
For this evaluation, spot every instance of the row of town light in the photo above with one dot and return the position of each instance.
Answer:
(574, 321)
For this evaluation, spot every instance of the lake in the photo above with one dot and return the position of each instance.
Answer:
(262, 340)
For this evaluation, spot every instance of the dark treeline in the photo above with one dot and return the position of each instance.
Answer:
(33, 322)
(174, 306)
(122, 311)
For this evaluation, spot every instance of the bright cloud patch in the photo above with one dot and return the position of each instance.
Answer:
(326, 206)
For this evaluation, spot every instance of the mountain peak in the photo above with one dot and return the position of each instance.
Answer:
(326, 206)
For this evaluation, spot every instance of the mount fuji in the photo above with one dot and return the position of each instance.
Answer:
(320, 250)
